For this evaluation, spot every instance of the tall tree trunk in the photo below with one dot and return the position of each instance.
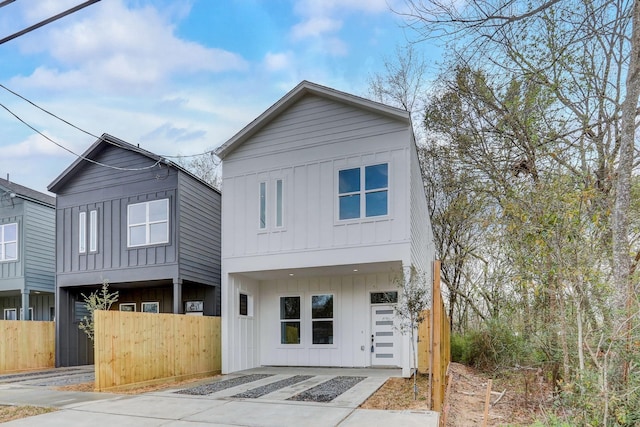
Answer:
(621, 256)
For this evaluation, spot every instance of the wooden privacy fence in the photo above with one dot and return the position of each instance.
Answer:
(434, 344)
(26, 345)
(136, 349)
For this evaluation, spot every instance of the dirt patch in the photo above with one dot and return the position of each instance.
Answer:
(525, 396)
(397, 394)
(10, 413)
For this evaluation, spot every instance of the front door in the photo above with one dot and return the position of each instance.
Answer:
(384, 347)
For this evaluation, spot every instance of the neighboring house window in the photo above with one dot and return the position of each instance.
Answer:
(9, 242)
(322, 319)
(82, 232)
(148, 223)
(246, 305)
(263, 205)
(127, 306)
(150, 307)
(93, 231)
(356, 200)
(10, 314)
(279, 201)
(290, 320)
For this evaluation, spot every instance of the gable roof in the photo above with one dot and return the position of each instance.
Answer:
(302, 89)
(109, 140)
(26, 193)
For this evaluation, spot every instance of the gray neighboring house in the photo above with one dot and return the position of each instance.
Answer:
(27, 253)
(144, 224)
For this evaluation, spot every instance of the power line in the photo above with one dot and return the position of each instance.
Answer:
(46, 21)
(6, 2)
(74, 153)
(44, 110)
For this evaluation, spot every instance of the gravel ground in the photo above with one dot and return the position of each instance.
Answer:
(254, 393)
(223, 385)
(328, 390)
(28, 375)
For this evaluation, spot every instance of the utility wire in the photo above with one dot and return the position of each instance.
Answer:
(6, 2)
(48, 112)
(71, 151)
(46, 21)
(44, 110)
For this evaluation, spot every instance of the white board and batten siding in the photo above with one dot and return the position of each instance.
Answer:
(309, 171)
(304, 145)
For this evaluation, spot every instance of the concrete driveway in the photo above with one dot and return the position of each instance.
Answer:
(222, 406)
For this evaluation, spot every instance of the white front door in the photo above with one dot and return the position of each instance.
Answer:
(384, 343)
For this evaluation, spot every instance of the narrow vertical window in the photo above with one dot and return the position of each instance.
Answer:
(82, 232)
(9, 242)
(279, 203)
(263, 205)
(93, 231)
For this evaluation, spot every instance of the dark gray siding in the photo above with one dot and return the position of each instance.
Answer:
(109, 192)
(199, 234)
(42, 305)
(143, 274)
(39, 247)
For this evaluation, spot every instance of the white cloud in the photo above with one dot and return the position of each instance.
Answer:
(119, 48)
(315, 27)
(278, 61)
(34, 145)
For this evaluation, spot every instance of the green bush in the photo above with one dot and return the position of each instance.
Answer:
(494, 345)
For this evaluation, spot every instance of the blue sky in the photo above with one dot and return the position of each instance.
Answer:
(176, 77)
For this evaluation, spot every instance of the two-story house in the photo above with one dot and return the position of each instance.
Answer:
(147, 226)
(324, 206)
(27, 247)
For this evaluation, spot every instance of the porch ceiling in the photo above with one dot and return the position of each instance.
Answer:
(324, 271)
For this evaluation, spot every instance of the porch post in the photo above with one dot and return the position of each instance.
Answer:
(25, 305)
(177, 296)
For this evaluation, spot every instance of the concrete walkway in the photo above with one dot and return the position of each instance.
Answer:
(168, 408)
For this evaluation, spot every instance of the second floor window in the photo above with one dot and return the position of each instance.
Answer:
(93, 231)
(148, 223)
(9, 242)
(363, 192)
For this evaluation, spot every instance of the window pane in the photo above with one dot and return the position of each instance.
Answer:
(11, 251)
(158, 233)
(82, 232)
(390, 297)
(137, 213)
(350, 206)
(323, 332)
(349, 180)
(279, 203)
(289, 307)
(290, 332)
(263, 205)
(322, 307)
(376, 176)
(93, 231)
(137, 235)
(376, 203)
(244, 309)
(158, 210)
(10, 232)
